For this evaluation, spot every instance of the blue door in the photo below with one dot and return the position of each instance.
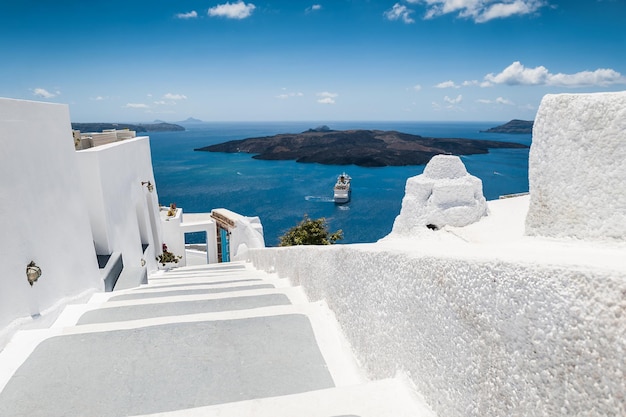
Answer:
(225, 245)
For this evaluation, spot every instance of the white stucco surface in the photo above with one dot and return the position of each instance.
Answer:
(123, 213)
(43, 215)
(444, 194)
(485, 320)
(519, 313)
(577, 168)
(246, 233)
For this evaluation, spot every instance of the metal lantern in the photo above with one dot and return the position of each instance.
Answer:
(33, 272)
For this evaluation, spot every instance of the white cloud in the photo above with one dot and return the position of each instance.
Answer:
(41, 92)
(326, 97)
(189, 15)
(599, 77)
(447, 84)
(503, 10)
(285, 96)
(136, 106)
(99, 98)
(455, 100)
(314, 8)
(399, 12)
(499, 100)
(502, 100)
(518, 74)
(239, 10)
(417, 87)
(480, 11)
(170, 96)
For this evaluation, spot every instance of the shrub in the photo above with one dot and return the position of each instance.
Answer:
(310, 232)
(167, 256)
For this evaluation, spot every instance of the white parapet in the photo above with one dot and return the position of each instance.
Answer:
(490, 319)
(577, 173)
(244, 232)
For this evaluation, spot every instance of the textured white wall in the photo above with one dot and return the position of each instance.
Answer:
(483, 338)
(577, 168)
(43, 216)
(119, 206)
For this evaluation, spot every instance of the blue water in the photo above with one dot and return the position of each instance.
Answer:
(281, 192)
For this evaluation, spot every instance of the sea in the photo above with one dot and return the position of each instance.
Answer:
(281, 193)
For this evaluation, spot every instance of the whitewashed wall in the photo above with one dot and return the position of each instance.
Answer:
(496, 336)
(577, 168)
(478, 338)
(43, 217)
(123, 213)
(173, 235)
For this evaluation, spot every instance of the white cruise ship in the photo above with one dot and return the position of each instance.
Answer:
(342, 189)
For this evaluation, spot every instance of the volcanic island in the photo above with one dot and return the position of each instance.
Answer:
(367, 148)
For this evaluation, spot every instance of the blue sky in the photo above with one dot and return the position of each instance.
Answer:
(256, 60)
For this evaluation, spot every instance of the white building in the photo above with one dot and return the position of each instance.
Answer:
(89, 219)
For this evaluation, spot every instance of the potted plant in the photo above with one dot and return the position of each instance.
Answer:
(172, 210)
(167, 257)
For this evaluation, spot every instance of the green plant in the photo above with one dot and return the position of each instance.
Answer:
(310, 232)
(167, 257)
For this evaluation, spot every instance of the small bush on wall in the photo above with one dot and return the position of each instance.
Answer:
(310, 232)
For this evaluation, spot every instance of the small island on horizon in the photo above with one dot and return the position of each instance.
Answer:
(514, 126)
(140, 127)
(367, 148)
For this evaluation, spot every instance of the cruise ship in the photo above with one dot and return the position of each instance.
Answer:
(342, 189)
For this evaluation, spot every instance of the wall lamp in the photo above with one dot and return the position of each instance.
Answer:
(148, 185)
(33, 272)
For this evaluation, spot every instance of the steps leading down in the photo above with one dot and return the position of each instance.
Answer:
(213, 340)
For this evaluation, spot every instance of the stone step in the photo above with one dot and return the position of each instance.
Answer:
(212, 340)
(385, 398)
(159, 305)
(212, 273)
(186, 295)
(302, 341)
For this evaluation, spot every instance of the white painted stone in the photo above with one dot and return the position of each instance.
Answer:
(577, 167)
(445, 194)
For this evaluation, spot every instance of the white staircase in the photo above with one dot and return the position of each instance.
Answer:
(213, 340)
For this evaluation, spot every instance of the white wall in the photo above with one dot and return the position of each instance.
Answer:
(123, 213)
(528, 327)
(173, 235)
(478, 338)
(577, 173)
(43, 217)
(246, 233)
